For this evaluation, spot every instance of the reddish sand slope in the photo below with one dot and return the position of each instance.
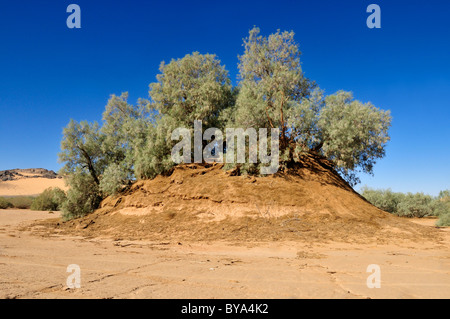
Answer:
(205, 202)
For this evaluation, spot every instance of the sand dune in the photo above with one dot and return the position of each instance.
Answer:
(28, 182)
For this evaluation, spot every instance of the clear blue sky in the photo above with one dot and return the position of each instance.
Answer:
(50, 73)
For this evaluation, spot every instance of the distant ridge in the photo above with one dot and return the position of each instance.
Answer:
(17, 173)
(28, 181)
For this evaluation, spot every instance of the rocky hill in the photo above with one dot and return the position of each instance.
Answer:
(15, 174)
(28, 182)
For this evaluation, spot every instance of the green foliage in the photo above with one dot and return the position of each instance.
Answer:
(4, 203)
(444, 195)
(195, 87)
(444, 220)
(303, 122)
(84, 162)
(83, 196)
(442, 208)
(407, 205)
(354, 134)
(21, 202)
(272, 82)
(416, 205)
(50, 199)
(114, 177)
(102, 157)
(18, 202)
(125, 128)
(275, 93)
(152, 156)
(81, 147)
(384, 199)
(134, 141)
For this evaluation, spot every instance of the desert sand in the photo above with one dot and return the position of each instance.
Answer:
(201, 232)
(29, 187)
(28, 182)
(33, 264)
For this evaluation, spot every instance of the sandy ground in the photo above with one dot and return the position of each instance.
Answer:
(36, 267)
(29, 186)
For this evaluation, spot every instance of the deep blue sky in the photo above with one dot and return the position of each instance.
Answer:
(50, 74)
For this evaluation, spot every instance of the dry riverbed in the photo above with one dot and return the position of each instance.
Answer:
(35, 266)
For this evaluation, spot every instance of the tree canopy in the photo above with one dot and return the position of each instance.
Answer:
(194, 87)
(134, 141)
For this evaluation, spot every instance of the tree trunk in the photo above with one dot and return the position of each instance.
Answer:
(90, 166)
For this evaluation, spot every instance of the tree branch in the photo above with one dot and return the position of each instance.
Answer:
(90, 165)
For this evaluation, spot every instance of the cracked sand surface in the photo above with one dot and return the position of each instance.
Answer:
(33, 266)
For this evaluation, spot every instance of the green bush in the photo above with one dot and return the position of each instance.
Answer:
(384, 199)
(444, 195)
(19, 202)
(4, 203)
(444, 220)
(440, 207)
(50, 199)
(83, 196)
(416, 205)
(113, 179)
(443, 208)
(408, 205)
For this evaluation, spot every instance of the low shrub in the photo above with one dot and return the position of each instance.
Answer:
(416, 205)
(4, 203)
(19, 202)
(83, 197)
(444, 220)
(384, 199)
(409, 205)
(49, 199)
(443, 208)
(444, 195)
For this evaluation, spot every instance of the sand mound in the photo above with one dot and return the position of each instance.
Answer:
(28, 182)
(204, 202)
(213, 194)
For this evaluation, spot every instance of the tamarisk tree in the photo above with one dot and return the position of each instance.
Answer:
(84, 163)
(275, 93)
(134, 141)
(195, 87)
